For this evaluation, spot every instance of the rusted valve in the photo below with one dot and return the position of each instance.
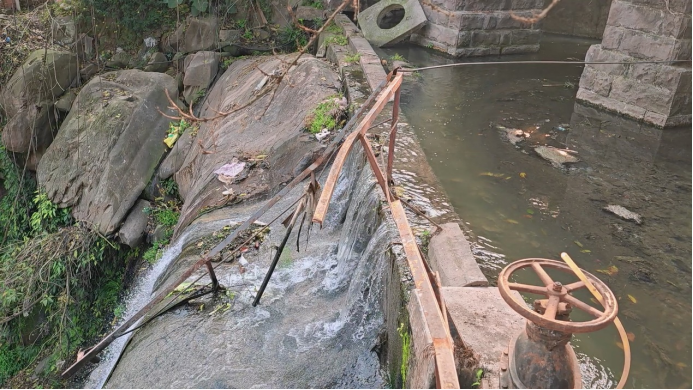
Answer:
(541, 356)
(556, 293)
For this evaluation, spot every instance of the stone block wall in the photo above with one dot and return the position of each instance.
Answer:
(577, 18)
(642, 30)
(479, 27)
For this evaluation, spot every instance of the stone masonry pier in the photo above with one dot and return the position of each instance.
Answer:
(479, 27)
(643, 30)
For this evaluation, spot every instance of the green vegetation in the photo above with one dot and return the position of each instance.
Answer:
(197, 97)
(340, 40)
(425, 239)
(397, 57)
(165, 214)
(477, 376)
(352, 58)
(59, 280)
(197, 7)
(323, 116)
(291, 38)
(266, 8)
(406, 350)
(429, 46)
(136, 16)
(16, 206)
(333, 28)
(314, 3)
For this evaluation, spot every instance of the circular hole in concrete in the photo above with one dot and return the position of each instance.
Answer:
(391, 16)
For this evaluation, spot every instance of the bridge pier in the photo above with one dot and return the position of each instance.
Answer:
(643, 30)
(466, 28)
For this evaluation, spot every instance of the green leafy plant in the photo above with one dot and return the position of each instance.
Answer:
(60, 280)
(352, 58)
(197, 97)
(197, 7)
(340, 40)
(429, 46)
(323, 117)
(314, 3)
(242, 24)
(478, 374)
(48, 217)
(396, 57)
(248, 35)
(166, 215)
(136, 16)
(333, 28)
(266, 8)
(291, 38)
(16, 207)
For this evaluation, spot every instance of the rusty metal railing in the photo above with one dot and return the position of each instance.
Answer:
(427, 285)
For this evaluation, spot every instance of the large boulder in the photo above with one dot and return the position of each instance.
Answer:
(44, 76)
(200, 70)
(27, 101)
(108, 146)
(272, 128)
(31, 129)
(201, 34)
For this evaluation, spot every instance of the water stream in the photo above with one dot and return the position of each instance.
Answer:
(515, 205)
(318, 323)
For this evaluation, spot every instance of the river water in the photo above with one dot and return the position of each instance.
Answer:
(516, 205)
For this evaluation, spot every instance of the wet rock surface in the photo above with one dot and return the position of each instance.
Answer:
(317, 323)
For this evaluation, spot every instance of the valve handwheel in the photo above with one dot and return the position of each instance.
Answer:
(556, 293)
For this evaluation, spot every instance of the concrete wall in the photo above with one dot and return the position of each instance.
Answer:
(479, 27)
(577, 17)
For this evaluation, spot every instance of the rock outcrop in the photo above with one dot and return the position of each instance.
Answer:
(27, 101)
(272, 125)
(108, 147)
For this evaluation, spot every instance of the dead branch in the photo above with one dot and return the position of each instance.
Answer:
(536, 17)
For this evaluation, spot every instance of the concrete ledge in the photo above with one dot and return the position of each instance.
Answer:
(368, 59)
(486, 325)
(422, 367)
(451, 256)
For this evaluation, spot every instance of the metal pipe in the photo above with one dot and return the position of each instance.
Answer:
(268, 276)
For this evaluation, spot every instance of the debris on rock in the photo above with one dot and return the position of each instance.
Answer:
(557, 157)
(624, 213)
(322, 134)
(228, 172)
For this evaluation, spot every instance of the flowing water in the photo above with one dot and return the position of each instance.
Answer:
(318, 324)
(516, 205)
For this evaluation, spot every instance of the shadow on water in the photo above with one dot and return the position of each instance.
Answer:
(516, 205)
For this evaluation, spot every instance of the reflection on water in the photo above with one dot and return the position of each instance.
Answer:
(516, 205)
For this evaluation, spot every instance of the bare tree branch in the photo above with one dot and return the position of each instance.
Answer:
(536, 17)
